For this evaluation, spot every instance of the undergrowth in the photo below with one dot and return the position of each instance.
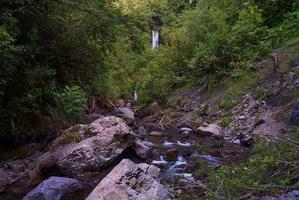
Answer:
(272, 169)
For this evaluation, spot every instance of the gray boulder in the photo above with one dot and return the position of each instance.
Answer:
(142, 131)
(87, 148)
(126, 114)
(211, 130)
(81, 151)
(56, 188)
(130, 181)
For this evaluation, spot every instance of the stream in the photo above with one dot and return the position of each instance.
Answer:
(177, 151)
(180, 153)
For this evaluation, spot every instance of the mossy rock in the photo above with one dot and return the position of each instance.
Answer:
(71, 136)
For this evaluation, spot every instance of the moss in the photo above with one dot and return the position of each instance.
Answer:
(241, 82)
(71, 136)
(261, 95)
(225, 121)
(201, 111)
(227, 103)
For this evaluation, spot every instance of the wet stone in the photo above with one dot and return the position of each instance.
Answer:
(142, 130)
(156, 133)
(171, 154)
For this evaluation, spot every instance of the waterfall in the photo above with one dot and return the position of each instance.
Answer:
(155, 39)
(135, 96)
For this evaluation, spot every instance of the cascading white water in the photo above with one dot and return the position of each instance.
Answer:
(185, 144)
(162, 161)
(135, 96)
(155, 39)
(181, 159)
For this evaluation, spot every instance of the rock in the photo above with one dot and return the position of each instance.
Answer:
(14, 181)
(120, 103)
(211, 159)
(155, 154)
(278, 99)
(295, 62)
(216, 143)
(171, 154)
(56, 188)
(91, 147)
(295, 114)
(3, 180)
(292, 195)
(129, 181)
(80, 150)
(147, 143)
(211, 129)
(141, 149)
(142, 131)
(126, 114)
(156, 133)
(152, 108)
(237, 141)
(247, 140)
(185, 133)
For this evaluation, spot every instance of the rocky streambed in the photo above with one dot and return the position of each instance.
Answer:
(99, 157)
(176, 150)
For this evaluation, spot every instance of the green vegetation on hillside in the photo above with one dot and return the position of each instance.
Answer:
(201, 44)
(52, 52)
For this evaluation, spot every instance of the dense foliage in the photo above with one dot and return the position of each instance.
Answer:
(44, 46)
(202, 43)
(101, 50)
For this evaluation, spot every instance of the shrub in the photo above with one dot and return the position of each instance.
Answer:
(225, 121)
(70, 102)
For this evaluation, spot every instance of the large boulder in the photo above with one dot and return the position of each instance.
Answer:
(130, 181)
(211, 130)
(85, 148)
(295, 114)
(126, 114)
(80, 151)
(57, 188)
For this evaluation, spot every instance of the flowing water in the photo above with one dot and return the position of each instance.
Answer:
(189, 148)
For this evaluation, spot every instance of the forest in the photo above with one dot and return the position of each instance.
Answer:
(65, 61)
(56, 55)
